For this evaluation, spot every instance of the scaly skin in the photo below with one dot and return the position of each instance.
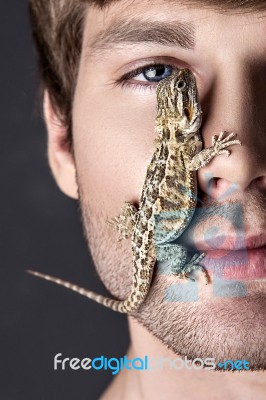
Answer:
(178, 123)
(168, 197)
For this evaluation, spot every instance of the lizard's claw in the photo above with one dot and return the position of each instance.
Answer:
(226, 152)
(182, 275)
(125, 222)
(193, 264)
(189, 278)
(114, 223)
(221, 142)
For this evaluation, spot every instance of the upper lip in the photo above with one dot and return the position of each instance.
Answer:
(235, 243)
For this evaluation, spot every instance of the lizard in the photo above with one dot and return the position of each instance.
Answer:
(168, 200)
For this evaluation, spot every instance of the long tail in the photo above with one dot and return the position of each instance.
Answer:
(131, 303)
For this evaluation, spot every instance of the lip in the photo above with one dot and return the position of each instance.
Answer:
(241, 265)
(237, 242)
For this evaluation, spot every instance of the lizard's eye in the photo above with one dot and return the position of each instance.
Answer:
(181, 85)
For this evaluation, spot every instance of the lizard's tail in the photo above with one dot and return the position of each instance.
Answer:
(123, 306)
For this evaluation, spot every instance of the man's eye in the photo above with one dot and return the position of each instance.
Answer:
(146, 76)
(154, 73)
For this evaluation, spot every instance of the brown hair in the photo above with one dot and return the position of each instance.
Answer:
(57, 27)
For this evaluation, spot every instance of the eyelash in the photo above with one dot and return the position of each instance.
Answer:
(123, 81)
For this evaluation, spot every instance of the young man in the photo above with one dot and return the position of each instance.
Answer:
(100, 63)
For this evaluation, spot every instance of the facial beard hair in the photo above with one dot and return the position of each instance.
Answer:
(201, 326)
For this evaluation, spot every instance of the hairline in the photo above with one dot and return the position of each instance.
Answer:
(238, 6)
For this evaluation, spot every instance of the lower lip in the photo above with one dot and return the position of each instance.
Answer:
(236, 264)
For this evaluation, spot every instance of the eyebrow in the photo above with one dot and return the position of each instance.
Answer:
(166, 33)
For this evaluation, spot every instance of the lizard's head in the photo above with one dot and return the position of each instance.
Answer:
(177, 102)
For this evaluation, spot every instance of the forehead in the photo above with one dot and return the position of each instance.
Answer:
(118, 11)
(166, 22)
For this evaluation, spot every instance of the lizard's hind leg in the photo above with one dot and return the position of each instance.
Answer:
(177, 255)
(125, 222)
(193, 264)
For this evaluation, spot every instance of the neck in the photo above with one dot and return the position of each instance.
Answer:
(171, 384)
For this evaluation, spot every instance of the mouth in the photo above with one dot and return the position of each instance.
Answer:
(235, 261)
(236, 264)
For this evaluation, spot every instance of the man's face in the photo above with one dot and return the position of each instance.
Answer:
(113, 133)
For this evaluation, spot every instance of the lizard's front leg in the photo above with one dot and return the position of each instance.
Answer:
(125, 222)
(219, 146)
(177, 255)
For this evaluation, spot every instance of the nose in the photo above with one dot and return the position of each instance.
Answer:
(236, 103)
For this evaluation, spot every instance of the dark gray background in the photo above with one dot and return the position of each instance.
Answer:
(40, 228)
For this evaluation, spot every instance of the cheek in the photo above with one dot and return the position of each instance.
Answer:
(113, 140)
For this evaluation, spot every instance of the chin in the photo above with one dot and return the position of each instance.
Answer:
(221, 328)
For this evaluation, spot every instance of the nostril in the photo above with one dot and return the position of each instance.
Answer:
(187, 113)
(260, 182)
(218, 189)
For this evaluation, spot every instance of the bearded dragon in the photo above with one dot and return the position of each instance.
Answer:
(168, 197)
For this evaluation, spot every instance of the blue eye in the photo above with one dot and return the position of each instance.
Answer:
(155, 73)
(146, 76)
